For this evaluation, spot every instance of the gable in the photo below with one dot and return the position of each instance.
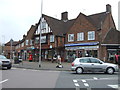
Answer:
(81, 24)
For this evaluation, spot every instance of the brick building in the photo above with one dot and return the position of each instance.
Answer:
(10, 49)
(85, 35)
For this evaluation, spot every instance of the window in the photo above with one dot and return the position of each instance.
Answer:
(70, 37)
(91, 35)
(80, 36)
(94, 60)
(31, 42)
(22, 44)
(51, 38)
(36, 40)
(27, 42)
(43, 39)
(87, 60)
(43, 25)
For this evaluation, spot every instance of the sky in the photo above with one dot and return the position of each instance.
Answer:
(17, 16)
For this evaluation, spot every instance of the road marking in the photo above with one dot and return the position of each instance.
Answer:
(84, 81)
(14, 68)
(24, 69)
(75, 81)
(113, 86)
(4, 81)
(95, 78)
(77, 85)
(86, 84)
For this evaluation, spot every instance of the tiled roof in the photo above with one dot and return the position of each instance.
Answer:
(31, 32)
(58, 27)
(97, 19)
(112, 37)
(13, 44)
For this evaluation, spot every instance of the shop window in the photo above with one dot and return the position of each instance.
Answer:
(80, 36)
(91, 35)
(70, 37)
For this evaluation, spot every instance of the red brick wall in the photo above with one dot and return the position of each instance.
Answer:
(81, 25)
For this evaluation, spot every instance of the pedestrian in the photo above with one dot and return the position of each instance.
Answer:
(54, 58)
(59, 65)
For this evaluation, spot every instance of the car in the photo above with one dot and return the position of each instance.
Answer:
(5, 62)
(91, 64)
(0, 64)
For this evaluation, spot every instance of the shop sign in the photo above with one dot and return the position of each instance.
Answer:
(77, 48)
(82, 44)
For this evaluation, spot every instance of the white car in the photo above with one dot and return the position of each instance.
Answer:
(5, 62)
(90, 64)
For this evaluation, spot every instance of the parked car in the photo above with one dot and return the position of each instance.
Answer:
(5, 62)
(90, 64)
(0, 64)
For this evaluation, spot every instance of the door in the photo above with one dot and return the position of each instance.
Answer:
(97, 65)
(86, 64)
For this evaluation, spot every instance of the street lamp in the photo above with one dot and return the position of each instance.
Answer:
(40, 28)
(11, 42)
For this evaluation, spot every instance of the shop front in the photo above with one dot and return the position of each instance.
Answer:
(81, 50)
(111, 52)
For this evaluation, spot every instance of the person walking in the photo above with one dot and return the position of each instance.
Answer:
(59, 65)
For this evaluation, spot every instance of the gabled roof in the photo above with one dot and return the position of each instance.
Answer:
(14, 43)
(58, 27)
(112, 37)
(97, 19)
(31, 32)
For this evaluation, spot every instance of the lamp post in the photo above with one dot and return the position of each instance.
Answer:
(40, 28)
(11, 42)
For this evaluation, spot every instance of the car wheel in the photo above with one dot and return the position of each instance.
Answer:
(9, 67)
(79, 70)
(110, 70)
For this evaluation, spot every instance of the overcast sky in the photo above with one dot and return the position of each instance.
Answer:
(17, 16)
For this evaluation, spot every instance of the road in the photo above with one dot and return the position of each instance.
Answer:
(27, 78)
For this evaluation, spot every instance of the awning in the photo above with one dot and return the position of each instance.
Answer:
(82, 44)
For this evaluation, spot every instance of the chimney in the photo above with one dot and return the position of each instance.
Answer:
(64, 16)
(108, 8)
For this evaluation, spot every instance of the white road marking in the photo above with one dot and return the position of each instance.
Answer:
(77, 85)
(24, 69)
(86, 84)
(113, 86)
(84, 81)
(75, 81)
(95, 78)
(14, 68)
(4, 81)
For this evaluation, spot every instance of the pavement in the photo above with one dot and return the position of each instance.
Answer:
(45, 65)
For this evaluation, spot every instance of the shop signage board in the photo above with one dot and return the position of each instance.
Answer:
(82, 47)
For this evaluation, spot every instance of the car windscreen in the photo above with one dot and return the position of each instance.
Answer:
(2, 57)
